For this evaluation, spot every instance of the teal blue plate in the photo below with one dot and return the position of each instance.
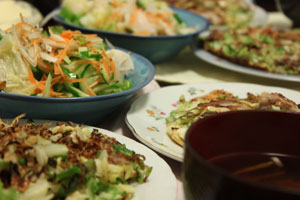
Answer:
(87, 110)
(156, 48)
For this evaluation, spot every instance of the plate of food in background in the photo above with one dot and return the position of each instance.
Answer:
(62, 160)
(224, 13)
(150, 28)
(161, 118)
(266, 52)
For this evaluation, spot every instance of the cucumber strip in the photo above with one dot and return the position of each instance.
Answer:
(46, 92)
(88, 71)
(99, 87)
(75, 91)
(91, 80)
(68, 72)
(105, 74)
(79, 69)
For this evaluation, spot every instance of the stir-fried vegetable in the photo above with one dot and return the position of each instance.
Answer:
(63, 63)
(66, 162)
(268, 48)
(140, 17)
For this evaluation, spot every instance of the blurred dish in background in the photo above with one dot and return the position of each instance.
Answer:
(266, 52)
(10, 13)
(156, 48)
(139, 17)
(290, 8)
(222, 12)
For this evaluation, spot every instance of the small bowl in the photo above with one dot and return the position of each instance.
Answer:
(156, 48)
(237, 133)
(87, 110)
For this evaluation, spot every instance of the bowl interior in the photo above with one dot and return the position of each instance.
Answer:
(219, 148)
(156, 48)
(248, 131)
(225, 151)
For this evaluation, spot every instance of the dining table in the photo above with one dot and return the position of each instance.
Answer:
(187, 68)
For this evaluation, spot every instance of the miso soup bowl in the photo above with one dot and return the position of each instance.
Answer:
(234, 133)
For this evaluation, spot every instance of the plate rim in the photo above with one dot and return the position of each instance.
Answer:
(173, 156)
(219, 84)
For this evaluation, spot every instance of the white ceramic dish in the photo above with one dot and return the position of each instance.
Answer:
(220, 62)
(161, 183)
(146, 117)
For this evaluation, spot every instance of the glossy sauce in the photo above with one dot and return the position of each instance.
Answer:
(271, 169)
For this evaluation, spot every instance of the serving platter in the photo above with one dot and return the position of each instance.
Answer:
(161, 183)
(146, 116)
(220, 62)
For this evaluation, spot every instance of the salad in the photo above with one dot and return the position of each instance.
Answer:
(61, 63)
(42, 162)
(140, 17)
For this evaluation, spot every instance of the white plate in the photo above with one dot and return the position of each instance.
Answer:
(146, 117)
(220, 62)
(161, 183)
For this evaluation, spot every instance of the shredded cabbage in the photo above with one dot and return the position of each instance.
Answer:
(12, 68)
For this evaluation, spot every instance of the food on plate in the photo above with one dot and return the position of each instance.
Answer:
(139, 17)
(218, 101)
(63, 63)
(219, 12)
(66, 162)
(268, 49)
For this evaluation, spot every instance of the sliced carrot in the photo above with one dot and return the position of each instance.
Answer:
(96, 82)
(94, 63)
(111, 18)
(91, 35)
(47, 68)
(16, 25)
(53, 93)
(134, 16)
(58, 71)
(68, 34)
(143, 32)
(165, 20)
(113, 68)
(35, 47)
(91, 43)
(106, 62)
(62, 53)
(90, 91)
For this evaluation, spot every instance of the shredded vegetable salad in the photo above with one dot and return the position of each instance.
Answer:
(139, 17)
(61, 63)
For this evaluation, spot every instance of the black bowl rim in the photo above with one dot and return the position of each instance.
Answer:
(133, 90)
(225, 173)
(127, 35)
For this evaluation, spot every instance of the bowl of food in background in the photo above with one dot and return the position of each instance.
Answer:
(149, 28)
(224, 13)
(66, 75)
(11, 10)
(243, 155)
